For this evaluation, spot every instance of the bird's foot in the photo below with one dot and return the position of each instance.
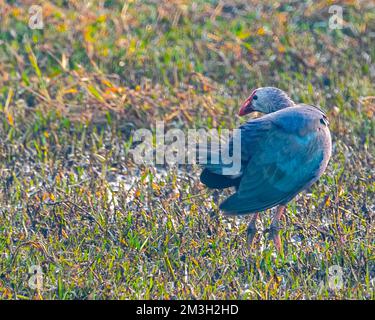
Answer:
(252, 229)
(275, 228)
(251, 232)
(274, 235)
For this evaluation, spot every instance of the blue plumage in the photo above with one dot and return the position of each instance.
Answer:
(282, 153)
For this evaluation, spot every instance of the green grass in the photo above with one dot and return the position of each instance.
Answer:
(72, 201)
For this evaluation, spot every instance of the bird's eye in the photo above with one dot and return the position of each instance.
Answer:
(255, 98)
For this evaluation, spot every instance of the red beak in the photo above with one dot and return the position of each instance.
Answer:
(246, 107)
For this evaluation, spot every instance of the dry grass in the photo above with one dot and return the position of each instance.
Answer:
(72, 201)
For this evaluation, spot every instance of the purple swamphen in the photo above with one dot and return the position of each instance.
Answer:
(282, 153)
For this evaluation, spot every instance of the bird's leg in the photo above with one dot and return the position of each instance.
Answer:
(275, 227)
(252, 229)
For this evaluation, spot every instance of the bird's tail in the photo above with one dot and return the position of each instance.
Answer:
(218, 181)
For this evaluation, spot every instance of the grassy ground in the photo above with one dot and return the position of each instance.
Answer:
(72, 201)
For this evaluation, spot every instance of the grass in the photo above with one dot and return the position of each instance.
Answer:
(73, 202)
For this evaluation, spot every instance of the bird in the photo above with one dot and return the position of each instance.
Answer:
(283, 152)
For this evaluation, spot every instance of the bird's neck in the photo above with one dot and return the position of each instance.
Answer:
(282, 103)
(288, 103)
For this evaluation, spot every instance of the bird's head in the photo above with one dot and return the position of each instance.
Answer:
(266, 100)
